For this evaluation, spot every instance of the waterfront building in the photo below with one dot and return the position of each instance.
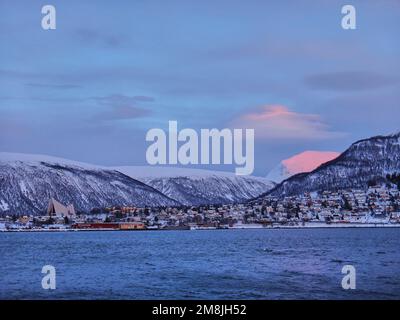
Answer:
(59, 210)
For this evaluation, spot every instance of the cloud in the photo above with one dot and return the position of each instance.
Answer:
(122, 100)
(366, 113)
(282, 48)
(278, 122)
(93, 37)
(350, 81)
(53, 86)
(121, 107)
(122, 112)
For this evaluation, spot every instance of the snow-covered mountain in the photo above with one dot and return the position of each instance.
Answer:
(196, 187)
(303, 162)
(364, 162)
(28, 181)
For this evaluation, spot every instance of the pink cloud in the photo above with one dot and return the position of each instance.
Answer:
(278, 122)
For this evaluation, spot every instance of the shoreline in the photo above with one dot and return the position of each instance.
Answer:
(250, 227)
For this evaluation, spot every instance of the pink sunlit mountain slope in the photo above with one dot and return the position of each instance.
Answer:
(306, 161)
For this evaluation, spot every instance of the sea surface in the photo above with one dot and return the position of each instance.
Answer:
(214, 264)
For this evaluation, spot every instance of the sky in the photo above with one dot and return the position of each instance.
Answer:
(92, 88)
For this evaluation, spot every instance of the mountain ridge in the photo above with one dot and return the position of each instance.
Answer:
(28, 181)
(200, 187)
(364, 161)
(27, 185)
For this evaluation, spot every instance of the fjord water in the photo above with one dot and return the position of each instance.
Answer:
(215, 264)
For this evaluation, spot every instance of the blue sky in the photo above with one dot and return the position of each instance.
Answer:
(90, 89)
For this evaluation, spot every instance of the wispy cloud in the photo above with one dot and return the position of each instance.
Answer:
(121, 100)
(278, 122)
(121, 113)
(94, 37)
(350, 81)
(122, 107)
(53, 86)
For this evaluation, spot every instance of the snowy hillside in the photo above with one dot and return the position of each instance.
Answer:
(28, 181)
(195, 186)
(366, 161)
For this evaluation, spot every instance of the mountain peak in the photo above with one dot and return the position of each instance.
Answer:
(29, 181)
(10, 157)
(303, 162)
(364, 162)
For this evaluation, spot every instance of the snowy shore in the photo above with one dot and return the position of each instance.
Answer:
(309, 225)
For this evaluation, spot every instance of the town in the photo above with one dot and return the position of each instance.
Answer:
(375, 206)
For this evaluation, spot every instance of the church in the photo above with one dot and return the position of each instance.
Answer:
(58, 210)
